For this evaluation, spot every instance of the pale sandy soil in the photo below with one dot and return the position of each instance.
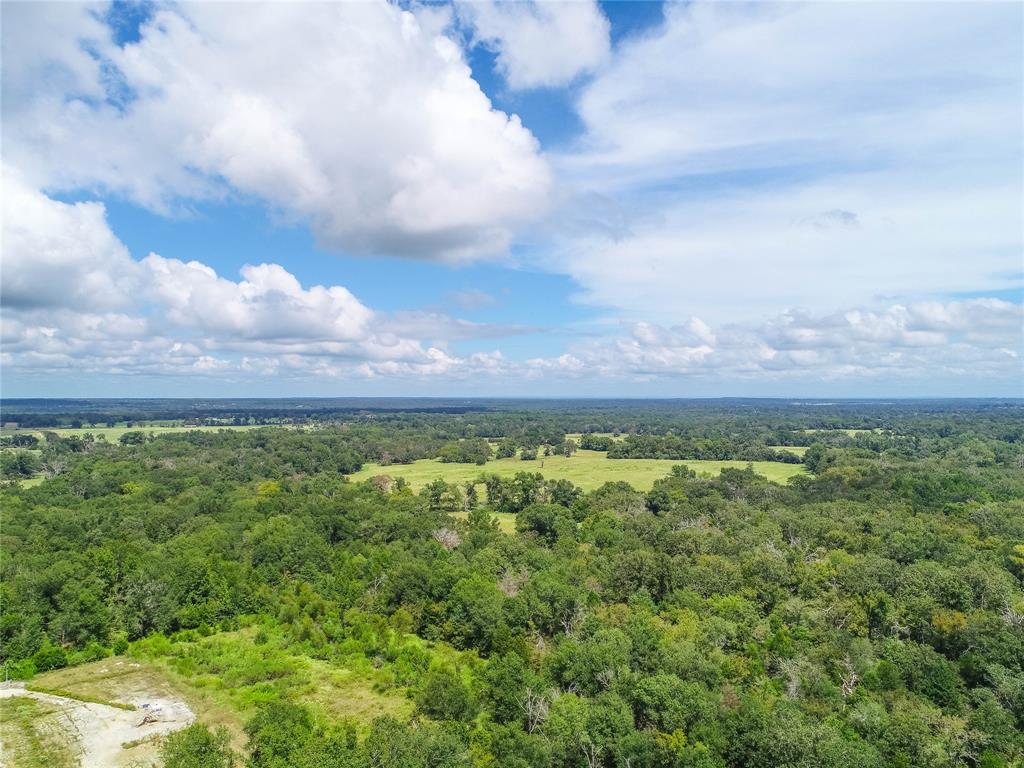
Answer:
(98, 733)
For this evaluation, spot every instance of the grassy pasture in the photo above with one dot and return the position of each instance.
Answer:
(351, 694)
(847, 432)
(113, 434)
(799, 450)
(506, 520)
(587, 469)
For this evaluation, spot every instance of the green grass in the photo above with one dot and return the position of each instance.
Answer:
(348, 694)
(226, 676)
(77, 696)
(587, 469)
(113, 434)
(30, 735)
(848, 432)
(799, 450)
(506, 520)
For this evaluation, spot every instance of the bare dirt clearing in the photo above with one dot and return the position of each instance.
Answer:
(98, 735)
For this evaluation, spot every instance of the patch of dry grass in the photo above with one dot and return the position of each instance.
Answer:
(347, 695)
(31, 735)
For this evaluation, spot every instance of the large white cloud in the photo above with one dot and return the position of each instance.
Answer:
(58, 254)
(540, 44)
(752, 157)
(361, 119)
(41, 59)
(75, 300)
(267, 304)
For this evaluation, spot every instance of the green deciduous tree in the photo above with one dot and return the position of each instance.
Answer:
(197, 747)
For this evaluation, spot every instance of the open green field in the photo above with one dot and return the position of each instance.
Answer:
(506, 520)
(847, 432)
(799, 450)
(112, 434)
(587, 469)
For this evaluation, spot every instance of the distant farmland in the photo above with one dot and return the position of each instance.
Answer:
(113, 434)
(587, 469)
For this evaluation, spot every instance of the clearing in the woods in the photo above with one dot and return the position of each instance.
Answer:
(108, 714)
(587, 469)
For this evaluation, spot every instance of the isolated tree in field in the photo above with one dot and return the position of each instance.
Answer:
(136, 437)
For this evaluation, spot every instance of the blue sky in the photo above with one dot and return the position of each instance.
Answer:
(497, 199)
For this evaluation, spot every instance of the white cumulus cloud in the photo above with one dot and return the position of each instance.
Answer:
(60, 254)
(540, 44)
(75, 300)
(360, 119)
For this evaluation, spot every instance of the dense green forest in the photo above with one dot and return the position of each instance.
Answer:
(868, 613)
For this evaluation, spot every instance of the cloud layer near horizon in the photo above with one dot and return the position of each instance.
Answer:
(165, 316)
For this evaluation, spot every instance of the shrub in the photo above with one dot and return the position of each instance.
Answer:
(444, 696)
(197, 747)
(49, 657)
